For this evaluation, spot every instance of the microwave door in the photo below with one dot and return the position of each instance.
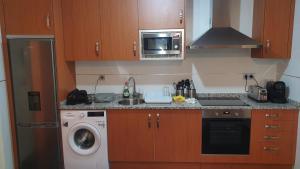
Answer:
(157, 45)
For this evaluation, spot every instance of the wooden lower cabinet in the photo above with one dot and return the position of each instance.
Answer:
(154, 135)
(129, 136)
(171, 139)
(117, 165)
(273, 136)
(244, 166)
(153, 166)
(178, 137)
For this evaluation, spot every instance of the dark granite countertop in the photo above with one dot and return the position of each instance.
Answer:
(252, 105)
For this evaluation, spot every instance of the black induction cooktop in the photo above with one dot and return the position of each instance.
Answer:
(221, 101)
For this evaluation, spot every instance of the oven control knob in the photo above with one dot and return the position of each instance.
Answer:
(236, 114)
(226, 113)
(217, 114)
(176, 46)
(82, 115)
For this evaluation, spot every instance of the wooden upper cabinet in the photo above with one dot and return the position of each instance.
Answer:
(177, 135)
(81, 22)
(28, 17)
(273, 27)
(161, 14)
(130, 135)
(119, 29)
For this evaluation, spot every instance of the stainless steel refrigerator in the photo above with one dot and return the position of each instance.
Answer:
(34, 91)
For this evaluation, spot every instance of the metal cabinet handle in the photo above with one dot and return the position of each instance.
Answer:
(268, 45)
(48, 23)
(270, 138)
(149, 121)
(272, 116)
(181, 16)
(272, 126)
(271, 149)
(157, 120)
(134, 48)
(97, 48)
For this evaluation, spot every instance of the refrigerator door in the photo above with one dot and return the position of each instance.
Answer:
(38, 148)
(2, 77)
(6, 158)
(33, 76)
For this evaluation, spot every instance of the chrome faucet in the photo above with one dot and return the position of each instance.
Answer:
(134, 94)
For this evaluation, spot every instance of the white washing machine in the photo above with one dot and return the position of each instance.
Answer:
(84, 137)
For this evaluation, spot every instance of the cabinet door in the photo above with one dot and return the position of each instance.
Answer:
(28, 17)
(277, 28)
(130, 135)
(81, 22)
(158, 14)
(177, 135)
(273, 27)
(119, 29)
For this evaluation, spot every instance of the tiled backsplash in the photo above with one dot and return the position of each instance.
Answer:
(213, 70)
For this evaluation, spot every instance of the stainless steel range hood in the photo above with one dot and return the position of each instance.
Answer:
(225, 37)
(220, 23)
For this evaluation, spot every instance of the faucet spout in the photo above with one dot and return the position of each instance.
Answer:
(130, 80)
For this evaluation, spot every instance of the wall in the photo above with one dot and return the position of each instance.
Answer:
(213, 70)
(292, 74)
(6, 161)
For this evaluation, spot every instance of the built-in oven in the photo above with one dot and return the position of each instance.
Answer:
(226, 132)
(166, 44)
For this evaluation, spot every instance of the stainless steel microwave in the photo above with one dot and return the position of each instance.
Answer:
(165, 44)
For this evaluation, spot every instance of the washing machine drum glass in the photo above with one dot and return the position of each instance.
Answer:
(84, 139)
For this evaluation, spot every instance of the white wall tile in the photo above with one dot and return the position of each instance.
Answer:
(213, 70)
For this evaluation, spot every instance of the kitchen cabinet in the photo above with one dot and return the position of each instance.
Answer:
(177, 135)
(100, 29)
(157, 14)
(154, 135)
(154, 166)
(119, 30)
(30, 17)
(130, 135)
(81, 23)
(243, 166)
(274, 135)
(273, 27)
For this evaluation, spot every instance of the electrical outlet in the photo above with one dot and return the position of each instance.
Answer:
(247, 76)
(102, 77)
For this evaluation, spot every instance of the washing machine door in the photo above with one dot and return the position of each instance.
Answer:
(84, 139)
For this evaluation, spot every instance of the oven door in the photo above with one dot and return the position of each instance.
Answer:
(226, 136)
(160, 44)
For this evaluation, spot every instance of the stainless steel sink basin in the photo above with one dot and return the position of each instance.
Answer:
(128, 102)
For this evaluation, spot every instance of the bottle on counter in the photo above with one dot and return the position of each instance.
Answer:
(126, 93)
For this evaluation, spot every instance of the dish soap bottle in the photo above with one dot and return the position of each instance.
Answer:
(126, 93)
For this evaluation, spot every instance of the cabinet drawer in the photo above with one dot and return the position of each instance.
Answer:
(277, 115)
(275, 137)
(274, 126)
(275, 153)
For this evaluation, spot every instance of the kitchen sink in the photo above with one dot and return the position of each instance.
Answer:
(128, 102)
